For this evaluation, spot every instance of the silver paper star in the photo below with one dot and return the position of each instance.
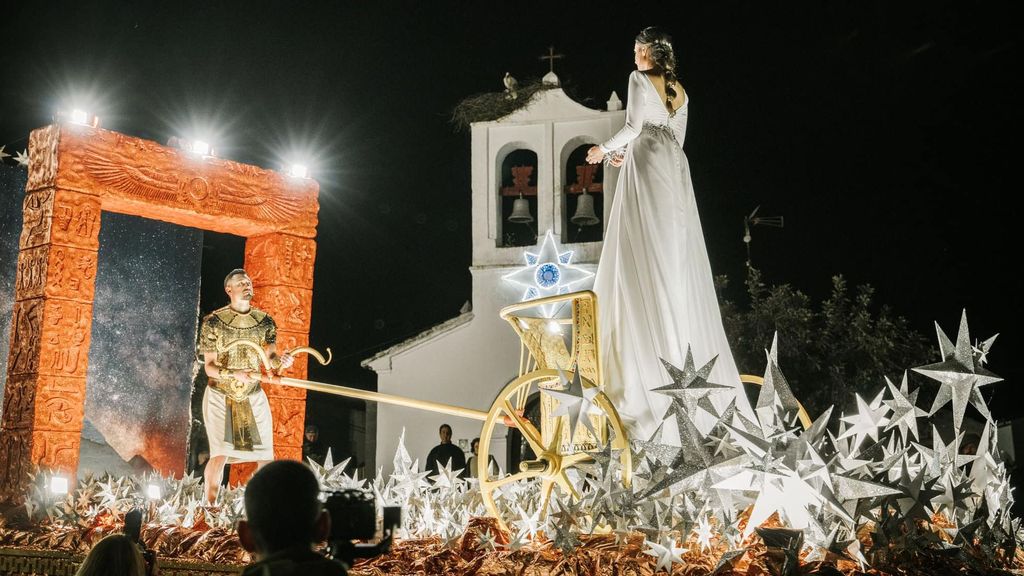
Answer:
(576, 402)
(776, 404)
(959, 374)
(904, 409)
(689, 384)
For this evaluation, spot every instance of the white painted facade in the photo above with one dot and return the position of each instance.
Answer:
(466, 361)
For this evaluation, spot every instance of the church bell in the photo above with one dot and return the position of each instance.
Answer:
(521, 211)
(584, 215)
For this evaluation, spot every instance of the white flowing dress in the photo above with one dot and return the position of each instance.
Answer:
(655, 290)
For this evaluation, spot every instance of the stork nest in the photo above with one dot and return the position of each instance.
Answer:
(490, 106)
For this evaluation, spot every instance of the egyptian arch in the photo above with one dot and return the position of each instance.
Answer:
(77, 172)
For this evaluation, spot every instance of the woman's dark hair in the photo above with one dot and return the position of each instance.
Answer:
(659, 44)
(115, 555)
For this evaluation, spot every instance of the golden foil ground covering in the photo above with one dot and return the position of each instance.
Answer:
(197, 550)
(51, 549)
(599, 555)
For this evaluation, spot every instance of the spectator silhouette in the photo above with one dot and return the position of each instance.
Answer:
(115, 555)
(284, 520)
(446, 452)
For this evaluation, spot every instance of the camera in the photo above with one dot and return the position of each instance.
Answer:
(354, 517)
(133, 530)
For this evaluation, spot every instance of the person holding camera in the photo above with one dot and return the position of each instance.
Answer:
(284, 520)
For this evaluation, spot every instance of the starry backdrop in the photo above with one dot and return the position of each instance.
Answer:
(142, 357)
(12, 190)
(886, 134)
(142, 351)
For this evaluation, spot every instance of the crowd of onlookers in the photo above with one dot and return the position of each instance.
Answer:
(285, 519)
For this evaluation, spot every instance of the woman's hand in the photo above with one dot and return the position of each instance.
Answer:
(616, 160)
(595, 155)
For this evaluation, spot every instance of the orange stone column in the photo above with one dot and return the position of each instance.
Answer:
(44, 400)
(281, 268)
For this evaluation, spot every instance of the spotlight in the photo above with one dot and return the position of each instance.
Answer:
(298, 171)
(153, 492)
(58, 485)
(554, 327)
(199, 147)
(77, 116)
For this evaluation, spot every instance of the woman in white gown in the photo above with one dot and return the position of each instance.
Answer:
(656, 295)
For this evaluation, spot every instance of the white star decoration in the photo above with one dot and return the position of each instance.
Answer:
(666, 552)
(22, 157)
(867, 421)
(548, 272)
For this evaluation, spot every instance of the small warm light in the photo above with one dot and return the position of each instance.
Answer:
(200, 147)
(298, 170)
(554, 327)
(79, 116)
(59, 485)
(153, 492)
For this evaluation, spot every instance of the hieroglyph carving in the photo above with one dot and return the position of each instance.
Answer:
(26, 331)
(60, 217)
(289, 260)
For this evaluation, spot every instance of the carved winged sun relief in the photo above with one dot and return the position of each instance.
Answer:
(254, 202)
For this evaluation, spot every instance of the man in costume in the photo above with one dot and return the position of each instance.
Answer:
(236, 412)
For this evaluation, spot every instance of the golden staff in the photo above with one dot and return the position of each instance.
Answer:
(273, 378)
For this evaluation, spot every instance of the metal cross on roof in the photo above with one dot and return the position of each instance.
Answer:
(551, 57)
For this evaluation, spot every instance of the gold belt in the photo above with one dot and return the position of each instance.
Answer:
(240, 424)
(234, 388)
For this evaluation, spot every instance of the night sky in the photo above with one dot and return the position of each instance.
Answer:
(887, 134)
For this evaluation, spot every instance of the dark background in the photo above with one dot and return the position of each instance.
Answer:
(887, 134)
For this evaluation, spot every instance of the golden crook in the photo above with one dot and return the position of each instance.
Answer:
(265, 359)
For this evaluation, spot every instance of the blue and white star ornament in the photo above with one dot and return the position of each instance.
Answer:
(548, 272)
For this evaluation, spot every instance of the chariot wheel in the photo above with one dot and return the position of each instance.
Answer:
(549, 439)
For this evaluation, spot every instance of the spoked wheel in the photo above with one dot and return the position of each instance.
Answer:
(549, 439)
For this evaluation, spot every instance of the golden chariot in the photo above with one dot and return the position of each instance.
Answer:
(553, 351)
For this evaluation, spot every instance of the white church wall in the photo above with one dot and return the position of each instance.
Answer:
(467, 364)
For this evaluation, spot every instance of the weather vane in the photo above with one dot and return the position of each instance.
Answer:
(754, 220)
